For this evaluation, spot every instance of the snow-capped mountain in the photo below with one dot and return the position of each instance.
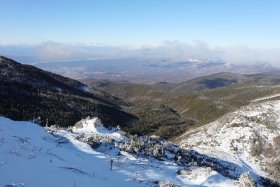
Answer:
(247, 138)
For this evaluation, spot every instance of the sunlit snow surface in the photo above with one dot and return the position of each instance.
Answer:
(234, 137)
(94, 126)
(31, 157)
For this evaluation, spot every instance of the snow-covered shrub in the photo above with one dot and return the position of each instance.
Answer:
(276, 140)
(157, 151)
(256, 145)
(274, 169)
(88, 122)
(183, 172)
(36, 120)
(52, 128)
(167, 184)
(208, 170)
(151, 146)
(97, 138)
(246, 181)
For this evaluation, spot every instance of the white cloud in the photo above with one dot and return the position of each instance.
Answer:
(54, 50)
(246, 55)
(167, 49)
(201, 50)
(179, 50)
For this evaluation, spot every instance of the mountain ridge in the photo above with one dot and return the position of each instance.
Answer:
(28, 92)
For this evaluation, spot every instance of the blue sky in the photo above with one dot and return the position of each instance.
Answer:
(143, 22)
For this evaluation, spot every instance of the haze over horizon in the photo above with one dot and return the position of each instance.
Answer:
(239, 31)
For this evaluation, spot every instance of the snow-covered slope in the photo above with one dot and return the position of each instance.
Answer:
(247, 138)
(30, 156)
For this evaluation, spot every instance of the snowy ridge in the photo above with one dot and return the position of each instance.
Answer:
(246, 138)
(31, 157)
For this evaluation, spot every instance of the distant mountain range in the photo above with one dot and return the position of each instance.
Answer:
(146, 70)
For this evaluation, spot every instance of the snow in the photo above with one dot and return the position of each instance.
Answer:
(59, 90)
(199, 176)
(29, 156)
(240, 138)
(32, 157)
(94, 126)
(88, 89)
